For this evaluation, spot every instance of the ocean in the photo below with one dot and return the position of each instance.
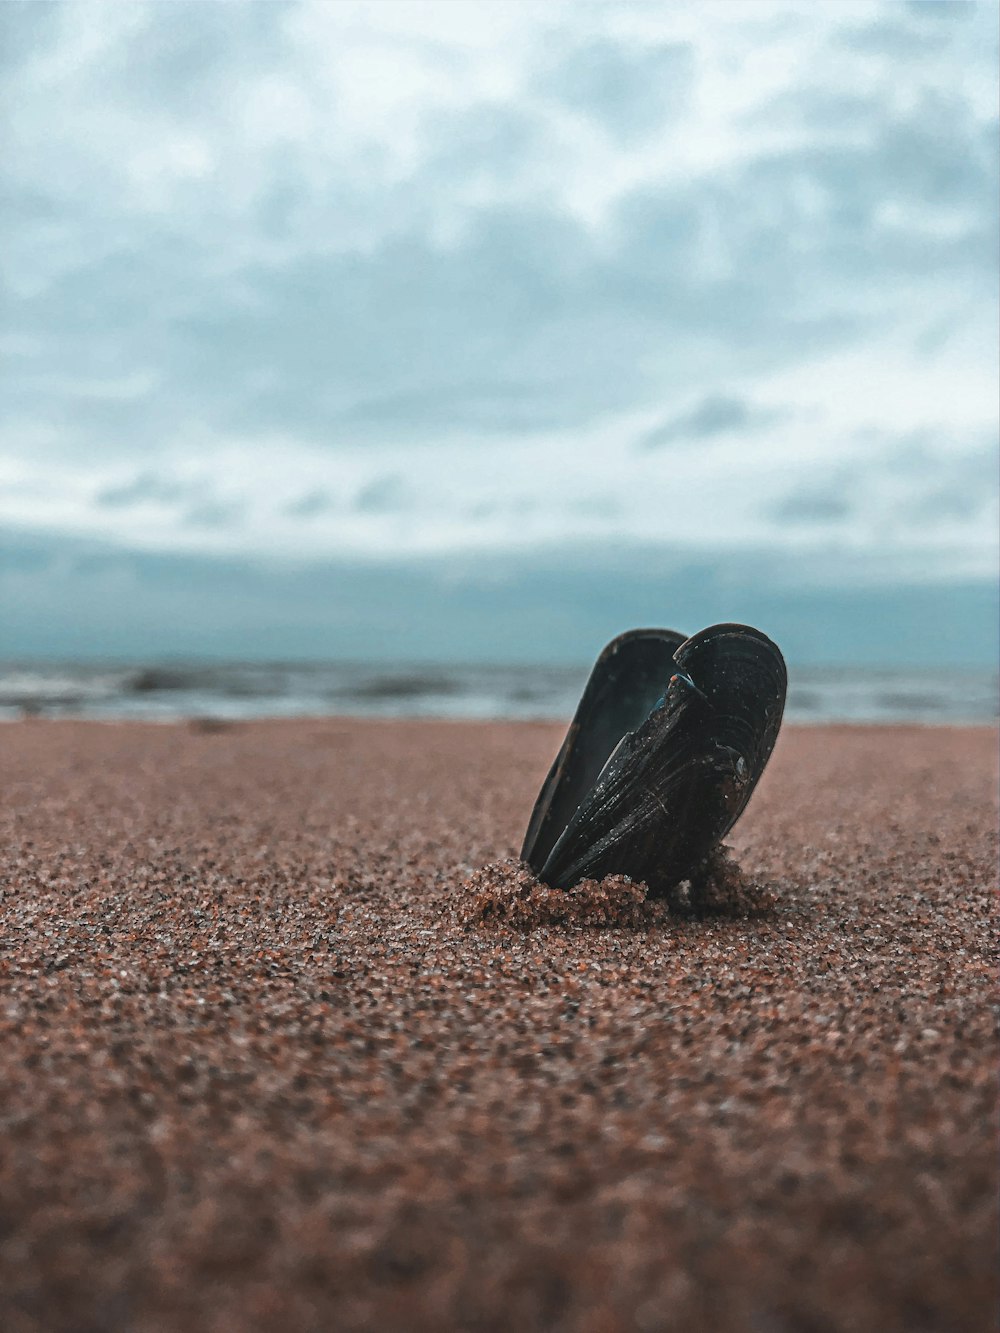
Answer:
(167, 692)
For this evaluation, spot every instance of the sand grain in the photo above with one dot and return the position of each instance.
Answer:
(260, 1068)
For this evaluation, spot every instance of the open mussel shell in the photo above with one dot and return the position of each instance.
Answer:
(627, 681)
(667, 745)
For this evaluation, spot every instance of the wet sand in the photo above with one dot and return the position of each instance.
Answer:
(259, 1069)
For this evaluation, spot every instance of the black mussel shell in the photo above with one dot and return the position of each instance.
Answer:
(628, 680)
(666, 747)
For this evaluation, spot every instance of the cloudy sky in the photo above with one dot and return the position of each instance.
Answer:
(485, 329)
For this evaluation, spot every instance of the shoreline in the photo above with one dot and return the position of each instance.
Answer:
(256, 1070)
(433, 720)
(241, 691)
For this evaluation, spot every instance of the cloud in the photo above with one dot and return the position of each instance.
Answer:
(145, 488)
(716, 414)
(266, 263)
(629, 91)
(310, 505)
(889, 37)
(811, 506)
(178, 65)
(212, 514)
(25, 32)
(193, 500)
(383, 495)
(961, 486)
(486, 406)
(496, 315)
(902, 484)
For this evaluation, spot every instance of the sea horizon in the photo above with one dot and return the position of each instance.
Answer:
(177, 689)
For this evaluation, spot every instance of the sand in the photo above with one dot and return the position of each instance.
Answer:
(261, 1069)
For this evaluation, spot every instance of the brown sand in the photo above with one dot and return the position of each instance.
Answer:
(506, 893)
(259, 1069)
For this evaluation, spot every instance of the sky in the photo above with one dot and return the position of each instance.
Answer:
(486, 330)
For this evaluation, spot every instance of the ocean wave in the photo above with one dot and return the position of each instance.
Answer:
(242, 690)
(401, 687)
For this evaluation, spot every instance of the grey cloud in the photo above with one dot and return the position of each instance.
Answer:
(144, 488)
(915, 481)
(492, 138)
(886, 36)
(525, 319)
(594, 506)
(27, 30)
(956, 485)
(916, 451)
(833, 112)
(831, 495)
(514, 506)
(935, 335)
(510, 327)
(28, 207)
(186, 63)
(936, 157)
(213, 514)
(936, 154)
(943, 11)
(484, 406)
(383, 495)
(812, 505)
(767, 304)
(525, 322)
(311, 505)
(628, 91)
(913, 30)
(197, 509)
(717, 414)
(947, 501)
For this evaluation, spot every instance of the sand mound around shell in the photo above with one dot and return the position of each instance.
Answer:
(722, 889)
(507, 893)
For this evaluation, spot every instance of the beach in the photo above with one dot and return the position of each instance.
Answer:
(261, 1069)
